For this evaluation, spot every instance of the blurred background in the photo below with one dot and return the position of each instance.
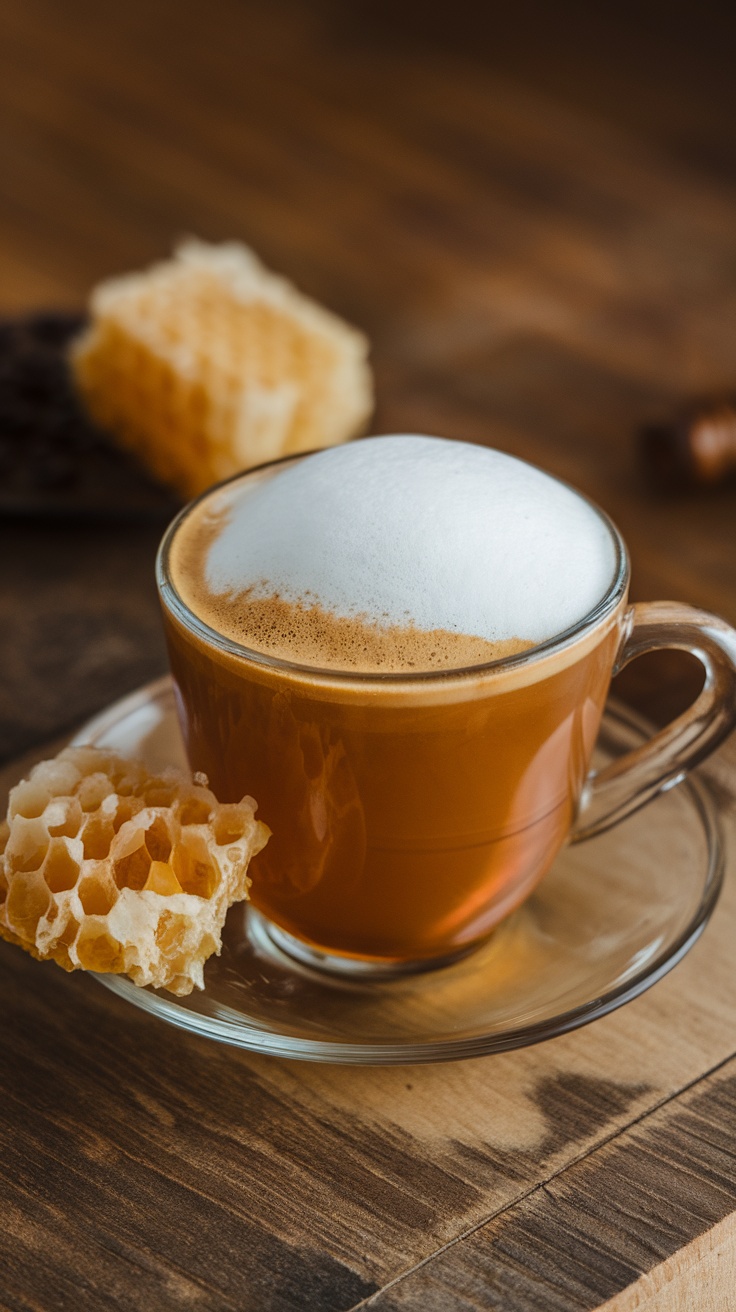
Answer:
(530, 209)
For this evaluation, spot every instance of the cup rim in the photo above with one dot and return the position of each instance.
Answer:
(172, 601)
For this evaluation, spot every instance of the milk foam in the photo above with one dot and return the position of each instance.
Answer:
(416, 531)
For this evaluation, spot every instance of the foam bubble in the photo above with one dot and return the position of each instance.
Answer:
(421, 531)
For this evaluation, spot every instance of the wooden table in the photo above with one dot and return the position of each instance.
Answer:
(534, 217)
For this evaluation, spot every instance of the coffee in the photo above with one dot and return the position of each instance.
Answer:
(311, 609)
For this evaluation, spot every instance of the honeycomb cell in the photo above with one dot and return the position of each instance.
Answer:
(132, 871)
(27, 844)
(158, 794)
(194, 812)
(228, 825)
(64, 820)
(59, 869)
(98, 950)
(97, 896)
(158, 840)
(162, 880)
(124, 811)
(193, 868)
(97, 836)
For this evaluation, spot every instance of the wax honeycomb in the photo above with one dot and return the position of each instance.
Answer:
(106, 867)
(208, 364)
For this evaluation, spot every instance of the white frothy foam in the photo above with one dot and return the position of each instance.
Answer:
(419, 530)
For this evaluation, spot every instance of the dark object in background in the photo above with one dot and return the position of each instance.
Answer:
(53, 460)
(698, 449)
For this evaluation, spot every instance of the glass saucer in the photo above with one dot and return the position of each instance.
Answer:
(613, 915)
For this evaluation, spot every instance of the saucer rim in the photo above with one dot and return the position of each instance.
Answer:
(293, 1047)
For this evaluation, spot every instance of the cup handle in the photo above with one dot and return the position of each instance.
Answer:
(631, 781)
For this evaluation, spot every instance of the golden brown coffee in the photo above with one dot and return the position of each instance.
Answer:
(405, 823)
(415, 790)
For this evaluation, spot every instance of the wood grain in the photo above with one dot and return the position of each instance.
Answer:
(702, 1274)
(536, 225)
(581, 1237)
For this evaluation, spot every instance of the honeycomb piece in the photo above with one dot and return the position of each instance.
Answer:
(209, 364)
(105, 867)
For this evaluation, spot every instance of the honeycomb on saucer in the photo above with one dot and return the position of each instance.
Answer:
(106, 867)
(208, 364)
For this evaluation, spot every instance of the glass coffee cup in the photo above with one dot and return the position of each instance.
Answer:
(411, 812)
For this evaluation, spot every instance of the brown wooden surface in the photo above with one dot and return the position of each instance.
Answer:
(533, 214)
